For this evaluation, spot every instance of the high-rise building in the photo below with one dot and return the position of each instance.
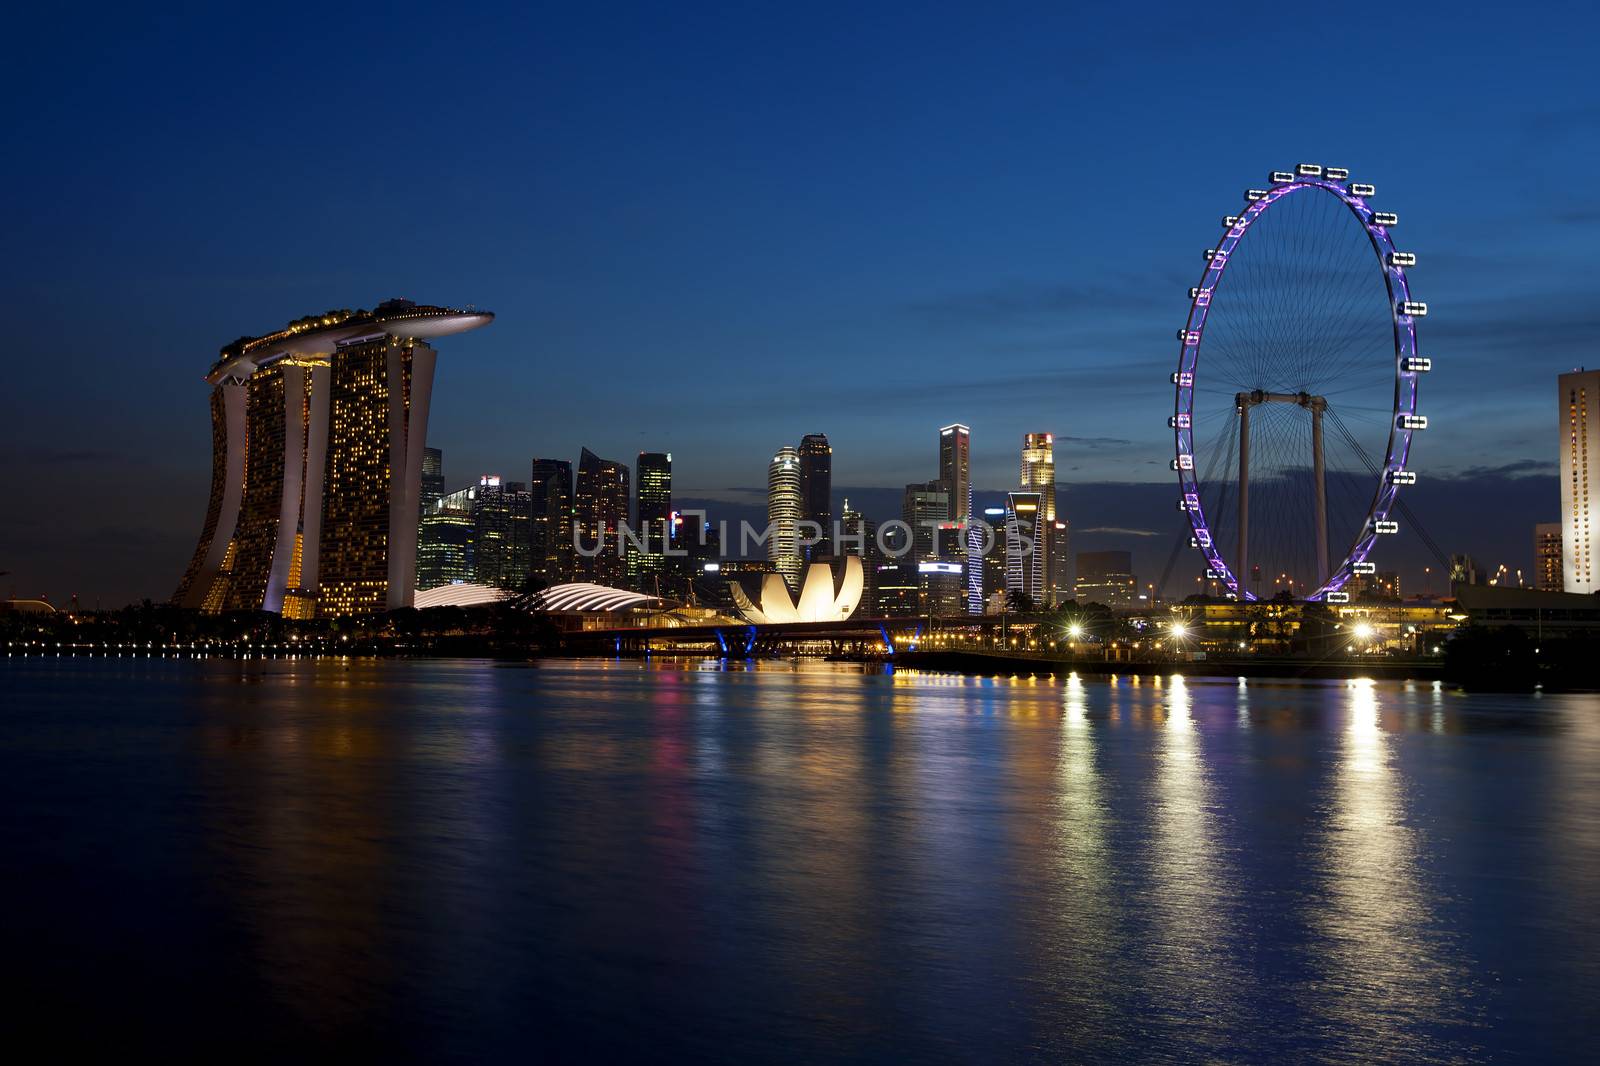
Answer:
(1547, 556)
(653, 524)
(1580, 494)
(318, 435)
(955, 470)
(783, 515)
(1106, 577)
(860, 538)
(550, 529)
(1039, 475)
(1024, 559)
(432, 478)
(600, 510)
(816, 489)
(444, 544)
(500, 533)
(925, 507)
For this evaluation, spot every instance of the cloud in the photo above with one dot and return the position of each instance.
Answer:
(1122, 531)
(1520, 468)
(1096, 442)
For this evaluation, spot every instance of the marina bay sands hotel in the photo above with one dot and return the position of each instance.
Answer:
(317, 435)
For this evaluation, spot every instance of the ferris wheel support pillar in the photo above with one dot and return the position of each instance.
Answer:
(1245, 402)
(1319, 475)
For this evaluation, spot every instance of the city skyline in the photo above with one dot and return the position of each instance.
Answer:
(905, 295)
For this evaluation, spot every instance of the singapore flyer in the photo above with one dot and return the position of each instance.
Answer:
(1295, 397)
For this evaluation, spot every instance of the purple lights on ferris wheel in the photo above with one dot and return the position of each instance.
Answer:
(1309, 179)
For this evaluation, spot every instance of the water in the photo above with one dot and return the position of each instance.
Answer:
(588, 861)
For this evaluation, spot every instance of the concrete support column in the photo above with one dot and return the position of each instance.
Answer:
(294, 461)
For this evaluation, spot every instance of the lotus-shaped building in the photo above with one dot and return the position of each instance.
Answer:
(820, 600)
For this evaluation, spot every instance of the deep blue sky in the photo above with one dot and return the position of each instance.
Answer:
(712, 230)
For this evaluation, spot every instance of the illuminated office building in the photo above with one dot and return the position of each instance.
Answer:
(550, 529)
(1106, 577)
(500, 533)
(925, 507)
(599, 511)
(1039, 475)
(816, 489)
(317, 436)
(955, 470)
(1024, 559)
(1547, 556)
(445, 542)
(432, 478)
(784, 505)
(1580, 493)
(652, 480)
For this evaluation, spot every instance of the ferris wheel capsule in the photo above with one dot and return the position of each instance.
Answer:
(1402, 259)
(1336, 174)
(1412, 421)
(1385, 218)
(1416, 364)
(1414, 308)
(1338, 597)
(1309, 170)
(1280, 177)
(1385, 526)
(1364, 568)
(1363, 191)
(1402, 477)
(1255, 194)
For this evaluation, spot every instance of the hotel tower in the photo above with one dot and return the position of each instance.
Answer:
(1579, 411)
(317, 445)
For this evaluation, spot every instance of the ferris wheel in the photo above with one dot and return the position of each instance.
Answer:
(1295, 397)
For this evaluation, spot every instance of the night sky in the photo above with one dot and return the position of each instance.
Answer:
(713, 231)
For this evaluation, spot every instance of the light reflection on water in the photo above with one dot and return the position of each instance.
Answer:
(798, 862)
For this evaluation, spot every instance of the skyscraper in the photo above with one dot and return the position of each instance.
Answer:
(783, 515)
(955, 470)
(1024, 557)
(1547, 556)
(1039, 475)
(925, 507)
(501, 535)
(860, 539)
(600, 509)
(1580, 494)
(653, 484)
(816, 489)
(318, 433)
(550, 533)
(432, 478)
(444, 544)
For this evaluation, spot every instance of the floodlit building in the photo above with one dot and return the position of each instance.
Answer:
(820, 599)
(317, 441)
(1024, 554)
(1547, 557)
(784, 505)
(1039, 475)
(432, 477)
(925, 507)
(955, 470)
(1580, 487)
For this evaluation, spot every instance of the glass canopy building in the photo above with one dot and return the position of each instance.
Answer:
(317, 440)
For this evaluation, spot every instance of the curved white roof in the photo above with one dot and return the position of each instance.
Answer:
(583, 596)
(458, 596)
(314, 337)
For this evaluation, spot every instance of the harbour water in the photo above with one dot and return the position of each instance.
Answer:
(586, 861)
